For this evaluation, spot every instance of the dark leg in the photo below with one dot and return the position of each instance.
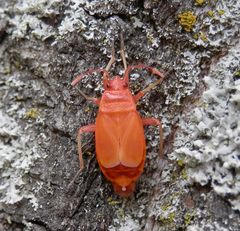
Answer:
(156, 122)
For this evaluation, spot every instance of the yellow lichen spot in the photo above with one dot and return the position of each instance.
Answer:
(210, 13)
(165, 207)
(203, 37)
(221, 12)
(187, 20)
(167, 219)
(171, 217)
(150, 37)
(180, 163)
(199, 2)
(33, 113)
(184, 174)
(188, 217)
(112, 202)
(237, 74)
(196, 36)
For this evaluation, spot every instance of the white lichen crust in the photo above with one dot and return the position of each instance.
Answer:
(19, 148)
(211, 148)
(16, 159)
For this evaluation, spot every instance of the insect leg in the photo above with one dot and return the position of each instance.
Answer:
(92, 99)
(88, 72)
(84, 129)
(156, 122)
(122, 52)
(140, 94)
(84, 74)
(143, 66)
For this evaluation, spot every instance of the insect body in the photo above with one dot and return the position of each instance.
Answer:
(119, 132)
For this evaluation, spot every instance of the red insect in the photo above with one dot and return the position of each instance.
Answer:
(119, 134)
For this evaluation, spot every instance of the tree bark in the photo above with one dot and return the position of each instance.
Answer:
(43, 46)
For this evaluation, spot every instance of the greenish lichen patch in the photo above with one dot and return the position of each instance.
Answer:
(188, 217)
(169, 219)
(113, 202)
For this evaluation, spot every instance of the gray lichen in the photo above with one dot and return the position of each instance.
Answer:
(16, 158)
(212, 147)
(18, 149)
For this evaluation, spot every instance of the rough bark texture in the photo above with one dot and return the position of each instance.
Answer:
(43, 45)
